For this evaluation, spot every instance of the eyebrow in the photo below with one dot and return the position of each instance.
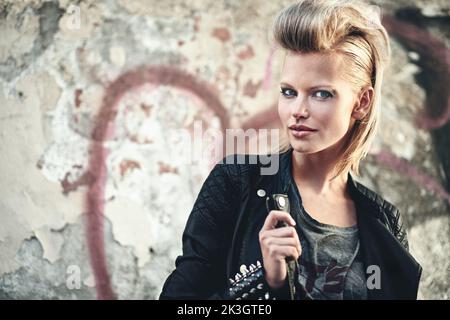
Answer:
(311, 88)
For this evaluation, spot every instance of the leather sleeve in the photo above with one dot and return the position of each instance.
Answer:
(200, 270)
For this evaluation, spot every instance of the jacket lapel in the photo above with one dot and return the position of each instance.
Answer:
(250, 202)
(399, 271)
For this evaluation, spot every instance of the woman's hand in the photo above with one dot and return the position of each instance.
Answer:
(277, 244)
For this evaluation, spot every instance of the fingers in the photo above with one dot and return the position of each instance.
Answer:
(291, 239)
(285, 242)
(280, 232)
(278, 245)
(274, 217)
(280, 253)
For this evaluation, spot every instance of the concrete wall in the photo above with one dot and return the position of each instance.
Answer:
(89, 90)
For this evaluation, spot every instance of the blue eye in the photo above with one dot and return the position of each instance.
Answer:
(287, 92)
(323, 95)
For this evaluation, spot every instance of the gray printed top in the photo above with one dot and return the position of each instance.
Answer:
(331, 266)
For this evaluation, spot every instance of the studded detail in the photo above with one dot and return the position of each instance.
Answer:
(281, 202)
(248, 284)
(261, 193)
(243, 269)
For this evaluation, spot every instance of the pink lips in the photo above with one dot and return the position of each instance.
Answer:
(300, 131)
(301, 128)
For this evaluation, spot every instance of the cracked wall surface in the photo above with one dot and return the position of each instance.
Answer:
(90, 89)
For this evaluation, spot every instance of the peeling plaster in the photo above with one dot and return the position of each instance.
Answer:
(51, 242)
(133, 226)
(35, 202)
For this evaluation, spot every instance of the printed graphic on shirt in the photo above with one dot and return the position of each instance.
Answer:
(332, 281)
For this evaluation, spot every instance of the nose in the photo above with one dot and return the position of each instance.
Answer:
(300, 110)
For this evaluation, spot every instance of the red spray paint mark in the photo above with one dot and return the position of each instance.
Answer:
(78, 94)
(128, 165)
(164, 168)
(104, 130)
(94, 224)
(404, 167)
(251, 89)
(222, 34)
(436, 61)
(247, 53)
(85, 180)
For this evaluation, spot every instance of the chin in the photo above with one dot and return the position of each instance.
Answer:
(302, 147)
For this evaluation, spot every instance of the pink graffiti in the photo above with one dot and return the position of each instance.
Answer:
(104, 130)
(403, 167)
(268, 72)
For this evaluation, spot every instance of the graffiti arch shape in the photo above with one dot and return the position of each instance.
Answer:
(104, 129)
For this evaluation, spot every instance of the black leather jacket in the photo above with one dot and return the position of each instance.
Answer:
(222, 230)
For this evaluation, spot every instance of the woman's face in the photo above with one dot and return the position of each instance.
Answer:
(314, 94)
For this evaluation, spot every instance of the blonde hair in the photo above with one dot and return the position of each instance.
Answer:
(354, 29)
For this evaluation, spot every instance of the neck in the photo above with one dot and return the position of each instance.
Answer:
(316, 171)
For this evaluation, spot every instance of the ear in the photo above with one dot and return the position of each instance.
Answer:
(362, 104)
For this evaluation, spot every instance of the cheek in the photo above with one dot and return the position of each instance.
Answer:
(325, 114)
(333, 117)
(283, 111)
(338, 119)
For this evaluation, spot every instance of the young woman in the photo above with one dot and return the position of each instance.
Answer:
(339, 240)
